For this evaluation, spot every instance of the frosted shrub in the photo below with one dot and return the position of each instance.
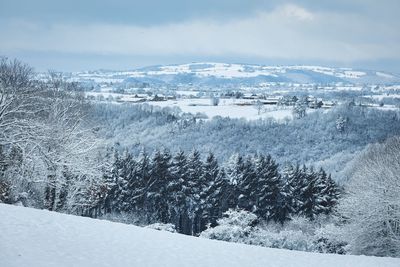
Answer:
(241, 227)
(240, 218)
(286, 239)
(323, 234)
(236, 226)
(231, 233)
(302, 224)
(329, 239)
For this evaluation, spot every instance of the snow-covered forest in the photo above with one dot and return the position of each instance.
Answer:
(324, 182)
(322, 139)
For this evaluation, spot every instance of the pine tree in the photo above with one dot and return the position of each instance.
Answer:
(127, 183)
(248, 185)
(135, 186)
(143, 172)
(268, 188)
(111, 181)
(192, 190)
(221, 197)
(296, 180)
(234, 169)
(159, 179)
(99, 196)
(311, 194)
(120, 173)
(211, 169)
(333, 192)
(209, 179)
(329, 192)
(284, 208)
(107, 191)
(176, 197)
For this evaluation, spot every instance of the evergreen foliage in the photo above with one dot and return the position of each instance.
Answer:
(192, 193)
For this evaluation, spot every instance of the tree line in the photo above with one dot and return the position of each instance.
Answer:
(192, 193)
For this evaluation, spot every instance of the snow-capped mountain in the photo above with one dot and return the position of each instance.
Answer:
(223, 73)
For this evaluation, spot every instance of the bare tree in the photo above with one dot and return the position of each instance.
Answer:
(372, 204)
(47, 122)
(259, 106)
(66, 143)
(17, 102)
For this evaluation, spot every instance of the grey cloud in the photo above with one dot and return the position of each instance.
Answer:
(331, 31)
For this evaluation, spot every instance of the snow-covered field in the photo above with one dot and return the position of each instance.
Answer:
(227, 107)
(38, 238)
(382, 96)
(233, 108)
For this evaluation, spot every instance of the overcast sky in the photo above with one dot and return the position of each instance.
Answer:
(122, 34)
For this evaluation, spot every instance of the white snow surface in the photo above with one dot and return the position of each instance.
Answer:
(220, 70)
(38, 238)
(232, 108)
(224, 70)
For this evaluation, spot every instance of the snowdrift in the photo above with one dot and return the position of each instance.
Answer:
(38, 238)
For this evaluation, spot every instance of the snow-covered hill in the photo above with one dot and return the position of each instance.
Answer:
(222, 73)
(30, 237)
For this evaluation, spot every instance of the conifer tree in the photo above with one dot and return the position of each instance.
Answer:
(333, 192)
(135, 186)
(221, 197)
(234, 175)
(209, 179)
(310, 194)
(143, 171)
(268, 188)
(234, 169)
(284, 208)
(176, 197)
(159, 179)
(192, 190)
(127, 182)
(120, 172)
(114, 178)
(247, 185)
(295, 180)
(328, 190)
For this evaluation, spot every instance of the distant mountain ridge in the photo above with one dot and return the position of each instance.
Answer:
(209, 73)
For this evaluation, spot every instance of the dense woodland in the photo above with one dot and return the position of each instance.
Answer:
(192, 194)
(321, 139)
(62, 153)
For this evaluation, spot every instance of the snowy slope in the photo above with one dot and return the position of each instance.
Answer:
(231, 71)
(37, 238)
(211, 73)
